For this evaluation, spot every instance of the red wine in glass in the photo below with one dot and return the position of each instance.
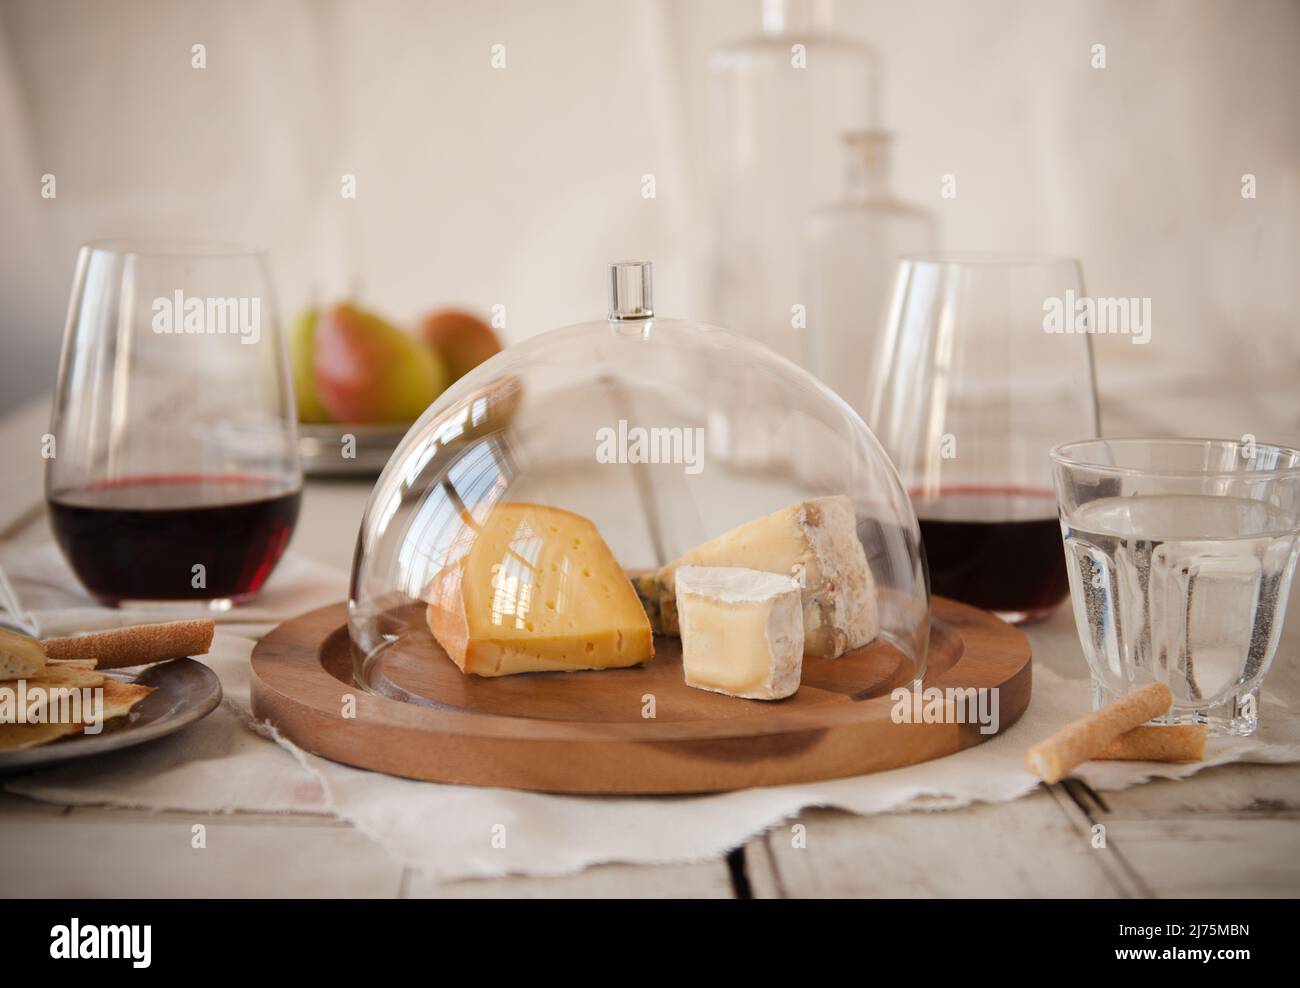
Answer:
(998, 548)
(141, 538)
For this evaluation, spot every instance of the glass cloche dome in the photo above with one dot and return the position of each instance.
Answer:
(627, 491)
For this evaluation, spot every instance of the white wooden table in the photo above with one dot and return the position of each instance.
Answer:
(1231, 831)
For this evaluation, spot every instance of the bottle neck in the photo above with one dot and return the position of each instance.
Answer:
(795, 16)
(867, 166)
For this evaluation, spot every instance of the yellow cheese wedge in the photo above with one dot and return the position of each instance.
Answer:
(536, 589)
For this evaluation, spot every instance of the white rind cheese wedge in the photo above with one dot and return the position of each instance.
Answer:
(531, 588)
(817, 539)
(742, 631)
(20, 656)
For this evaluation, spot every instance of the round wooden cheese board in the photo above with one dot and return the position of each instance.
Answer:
(638, 730)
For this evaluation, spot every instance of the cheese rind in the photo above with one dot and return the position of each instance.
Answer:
(815, 540)
(742, 631)
(530, 588)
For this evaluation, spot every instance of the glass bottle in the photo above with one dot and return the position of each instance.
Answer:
(778, 106)
(851, 250)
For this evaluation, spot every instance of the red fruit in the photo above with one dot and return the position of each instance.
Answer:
(464, 340)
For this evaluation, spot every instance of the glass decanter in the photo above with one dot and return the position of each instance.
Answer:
(850, 253)
(778, 105)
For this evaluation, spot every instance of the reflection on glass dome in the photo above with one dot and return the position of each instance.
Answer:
(624, 492)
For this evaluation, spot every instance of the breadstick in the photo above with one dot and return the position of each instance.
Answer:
(1175, 743)
(1051, 760)
(135, 646)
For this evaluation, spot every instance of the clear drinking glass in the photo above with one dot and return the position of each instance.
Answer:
(969, 392)
(1180, 554)
(172, 468)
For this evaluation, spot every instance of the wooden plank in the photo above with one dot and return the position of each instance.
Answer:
(1213, 856)
(1082, 813)
(270, 854)
(1023, 848)
(1231, 832)
(708, 880)
(761, 874)
(100, 852)
(1247, 791)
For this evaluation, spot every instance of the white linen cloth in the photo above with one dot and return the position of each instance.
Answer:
(55, 604)
(446, 831)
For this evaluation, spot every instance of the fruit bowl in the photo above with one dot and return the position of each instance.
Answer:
(360, 381)
(321, 448)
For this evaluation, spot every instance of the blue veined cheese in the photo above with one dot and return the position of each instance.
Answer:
(742, 631)
(815, 542)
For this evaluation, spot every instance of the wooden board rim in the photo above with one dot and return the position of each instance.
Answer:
(293, 690)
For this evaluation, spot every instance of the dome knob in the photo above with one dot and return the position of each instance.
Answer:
(631, 290)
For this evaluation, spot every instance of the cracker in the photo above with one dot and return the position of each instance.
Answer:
(120, 698)
(20, 656)
(118, 701)
(17, 737)
(70, 664)
(51, 679)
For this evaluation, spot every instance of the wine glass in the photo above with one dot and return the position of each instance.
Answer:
(981, 370)
(172, 469)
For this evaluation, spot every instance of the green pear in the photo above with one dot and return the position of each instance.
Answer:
(302, 360)
(369, 371)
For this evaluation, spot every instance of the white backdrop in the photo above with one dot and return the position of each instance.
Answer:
(478, 186)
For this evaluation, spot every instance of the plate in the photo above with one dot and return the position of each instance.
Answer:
(322, 452)
(186, 691)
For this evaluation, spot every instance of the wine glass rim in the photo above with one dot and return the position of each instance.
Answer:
(957, 259)
(1067, 455)
(171, 247)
